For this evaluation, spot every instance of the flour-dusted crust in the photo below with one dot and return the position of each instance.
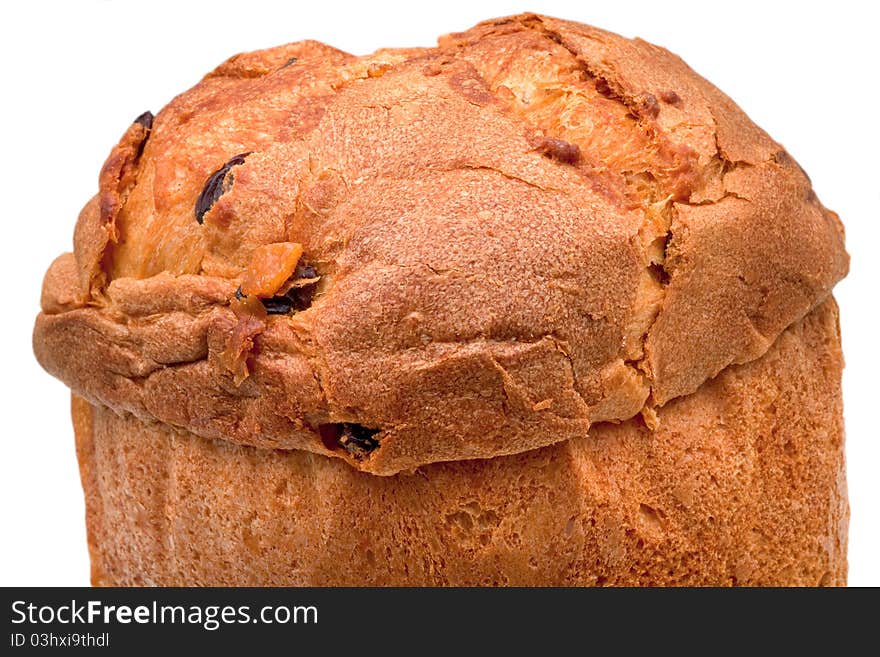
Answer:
(742, 482)
(531, 228)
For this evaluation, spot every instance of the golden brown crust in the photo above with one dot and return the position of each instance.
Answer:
(532, 228)
(741, 483)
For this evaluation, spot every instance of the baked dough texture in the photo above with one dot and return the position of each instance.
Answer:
(539, 305)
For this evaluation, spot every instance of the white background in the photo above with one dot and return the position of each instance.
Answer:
(75, 74)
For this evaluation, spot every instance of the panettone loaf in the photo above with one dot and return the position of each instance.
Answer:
(539, 305)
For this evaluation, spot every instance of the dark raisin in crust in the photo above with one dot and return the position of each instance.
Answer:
(277, 305)
(305, 271)
(670, 97)
(560, 150)
(296, 298)
(215, 187)
(146, 120)
(355, 439)
(649, 105)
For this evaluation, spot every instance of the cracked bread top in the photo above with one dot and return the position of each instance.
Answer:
(434, 254)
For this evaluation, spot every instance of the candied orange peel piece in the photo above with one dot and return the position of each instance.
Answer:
(270, 267)
(250, 322)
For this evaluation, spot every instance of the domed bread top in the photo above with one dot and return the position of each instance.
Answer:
(434, 254)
